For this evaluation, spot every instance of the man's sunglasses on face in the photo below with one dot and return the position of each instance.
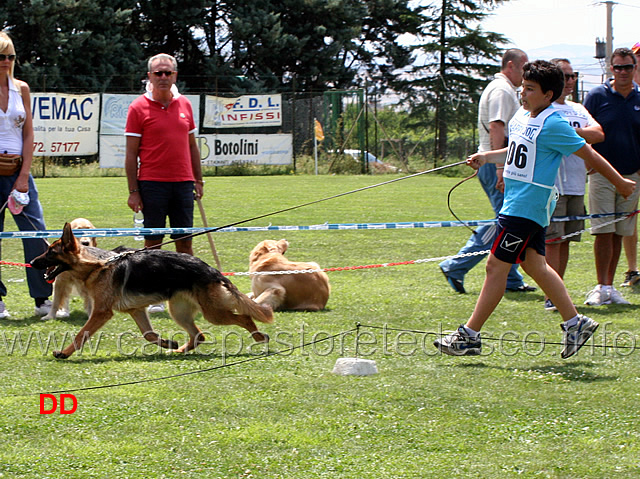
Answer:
(619, 68)
(163, 72)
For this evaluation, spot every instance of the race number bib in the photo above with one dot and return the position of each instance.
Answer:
(521, 154)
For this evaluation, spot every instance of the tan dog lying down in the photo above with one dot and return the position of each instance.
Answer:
(302, 291)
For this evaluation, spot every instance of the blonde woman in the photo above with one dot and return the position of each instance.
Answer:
(18, 191)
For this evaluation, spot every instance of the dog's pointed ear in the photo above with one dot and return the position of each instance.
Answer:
(283, 245)
(68, 239)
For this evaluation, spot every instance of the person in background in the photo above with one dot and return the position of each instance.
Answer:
(572, 178)
(18, 191)
(616, 106)
(538, 140)
(630, 243)
(498, 103)
(162, 159)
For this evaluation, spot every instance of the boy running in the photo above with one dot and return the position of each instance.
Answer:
(538, 139)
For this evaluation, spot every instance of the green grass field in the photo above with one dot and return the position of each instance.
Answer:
(519, 411)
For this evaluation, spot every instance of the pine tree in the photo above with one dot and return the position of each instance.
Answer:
(73, 45)
(323, 44)
(220, 45)
(455, 59)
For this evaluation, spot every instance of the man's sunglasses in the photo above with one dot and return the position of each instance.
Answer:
(163, 72)
(618, 68)
(7, 57)
(570, 76)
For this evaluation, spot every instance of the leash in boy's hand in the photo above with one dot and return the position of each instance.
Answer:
(476, 160)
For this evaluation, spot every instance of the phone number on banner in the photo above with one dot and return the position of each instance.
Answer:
(56, 147)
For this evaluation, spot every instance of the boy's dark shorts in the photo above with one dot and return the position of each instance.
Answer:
(163, 198)
(514, 236)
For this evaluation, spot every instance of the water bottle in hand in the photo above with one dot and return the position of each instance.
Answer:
(138, 222)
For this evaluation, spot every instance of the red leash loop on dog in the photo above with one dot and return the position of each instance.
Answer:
(9, 263)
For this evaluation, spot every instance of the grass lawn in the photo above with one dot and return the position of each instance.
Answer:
(519, 411)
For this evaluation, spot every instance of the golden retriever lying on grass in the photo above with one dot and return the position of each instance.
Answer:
(301, 291)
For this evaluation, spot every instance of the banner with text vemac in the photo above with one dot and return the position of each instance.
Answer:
(65, 125)
(242, 112)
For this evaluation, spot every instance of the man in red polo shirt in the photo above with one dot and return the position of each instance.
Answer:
(162, 157)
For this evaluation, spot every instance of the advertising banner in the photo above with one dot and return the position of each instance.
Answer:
(114, 113)
(65, 125)
(242, 112)
(221, 150)
(113, 122)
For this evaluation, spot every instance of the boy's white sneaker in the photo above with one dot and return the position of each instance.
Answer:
(575, 336)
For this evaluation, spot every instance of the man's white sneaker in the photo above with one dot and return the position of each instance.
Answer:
(43, 309)
(616, 297)
(3, 311)
(597, 297)
(156, 308)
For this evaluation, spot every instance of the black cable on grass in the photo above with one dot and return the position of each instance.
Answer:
(466, 225)
(489, 338)
(212, 230)
(188, 373)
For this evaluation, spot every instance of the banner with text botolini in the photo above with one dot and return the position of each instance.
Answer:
(65, 125)
(242, 112)
(222, 150)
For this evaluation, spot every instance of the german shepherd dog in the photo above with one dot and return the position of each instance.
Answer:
(132, 280)
(65, 284)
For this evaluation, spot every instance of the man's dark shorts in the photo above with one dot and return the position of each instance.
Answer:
(514, 236)
(161, 199)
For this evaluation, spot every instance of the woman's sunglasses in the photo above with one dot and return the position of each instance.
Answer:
(7, 57)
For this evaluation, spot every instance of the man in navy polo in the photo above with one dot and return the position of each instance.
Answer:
(616, 106)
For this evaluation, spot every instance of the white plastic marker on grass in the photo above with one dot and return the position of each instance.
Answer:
(355, 367)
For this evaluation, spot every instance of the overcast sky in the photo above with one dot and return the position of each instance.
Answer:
(532, 24)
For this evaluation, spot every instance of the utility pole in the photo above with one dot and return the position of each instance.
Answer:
(609, 5)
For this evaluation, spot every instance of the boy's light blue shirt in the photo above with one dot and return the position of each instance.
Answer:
(526, 200)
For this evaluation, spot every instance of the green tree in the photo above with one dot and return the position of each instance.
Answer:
(321, 43)
(226, 45)
(72, 45)
(455, 57)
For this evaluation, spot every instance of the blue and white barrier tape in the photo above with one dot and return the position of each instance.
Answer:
(116, 232)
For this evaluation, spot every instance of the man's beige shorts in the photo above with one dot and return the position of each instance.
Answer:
(567, 205)
(603, 198)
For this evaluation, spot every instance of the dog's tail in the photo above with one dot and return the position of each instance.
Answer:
(244, 305)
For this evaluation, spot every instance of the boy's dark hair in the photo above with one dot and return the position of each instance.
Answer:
(623, 52)
(549, 76)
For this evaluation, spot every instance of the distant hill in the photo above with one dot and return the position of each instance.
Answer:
(581, 57)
